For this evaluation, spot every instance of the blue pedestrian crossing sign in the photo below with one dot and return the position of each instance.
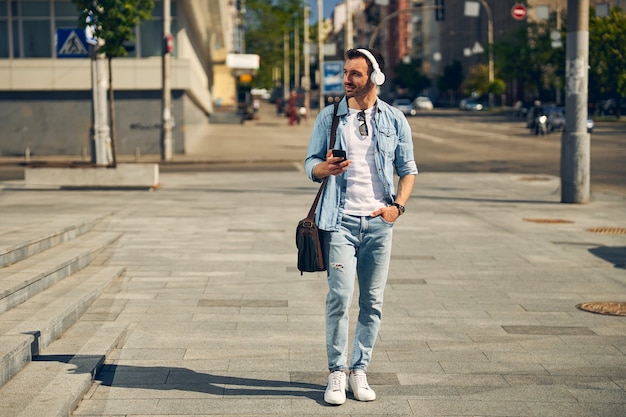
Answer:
(71, 43)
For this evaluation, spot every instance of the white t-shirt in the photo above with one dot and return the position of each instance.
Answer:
(364, 192)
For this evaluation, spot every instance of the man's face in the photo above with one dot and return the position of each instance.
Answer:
(356, 79)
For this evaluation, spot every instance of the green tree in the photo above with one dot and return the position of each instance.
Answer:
(265, 25)
(526, 56)
(409, 77)
(607, 56)
(114, 23)
(477, 81)
(450, 82)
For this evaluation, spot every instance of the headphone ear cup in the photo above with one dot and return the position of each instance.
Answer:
(378, 77)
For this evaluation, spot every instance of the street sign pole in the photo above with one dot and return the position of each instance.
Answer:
(101, 130)
(167, 148)
(575, 141)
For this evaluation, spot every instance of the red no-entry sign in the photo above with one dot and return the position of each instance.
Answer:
(518, 11)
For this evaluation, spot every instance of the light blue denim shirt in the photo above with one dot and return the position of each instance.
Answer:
(393, 150)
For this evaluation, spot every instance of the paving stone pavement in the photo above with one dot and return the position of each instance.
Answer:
(480, 314)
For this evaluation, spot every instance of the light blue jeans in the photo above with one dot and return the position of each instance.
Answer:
(361, 247)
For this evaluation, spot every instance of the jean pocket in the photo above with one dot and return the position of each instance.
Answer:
(385, 222)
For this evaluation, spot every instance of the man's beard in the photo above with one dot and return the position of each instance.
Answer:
(362, 92)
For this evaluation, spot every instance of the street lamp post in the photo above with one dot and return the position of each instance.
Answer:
(167, 148)
(489, 47)
(320, 49)
(306, 82)
(349, 36)
(575, 141)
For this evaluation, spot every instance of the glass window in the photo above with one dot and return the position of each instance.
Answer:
(4, 39)
(32, 8)
(151, 38)
(65, 23)
(17, 52)
(157, 11)
(37, 42)
(151, 35)
(65, 9)
(3, 8)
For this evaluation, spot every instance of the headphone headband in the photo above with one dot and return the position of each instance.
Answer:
(377, 76)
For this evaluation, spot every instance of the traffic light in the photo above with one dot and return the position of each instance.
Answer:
(440, 10)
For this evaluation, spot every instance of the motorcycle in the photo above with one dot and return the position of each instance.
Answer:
(540, 125)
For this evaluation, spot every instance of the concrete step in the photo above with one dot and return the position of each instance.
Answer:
(29, 328)
(19, 242)
(56, 380)
(21, 281)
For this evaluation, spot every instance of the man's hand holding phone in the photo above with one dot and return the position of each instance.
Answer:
(336, 161)
(339, 153)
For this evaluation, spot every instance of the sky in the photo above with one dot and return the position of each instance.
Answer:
(329, 5)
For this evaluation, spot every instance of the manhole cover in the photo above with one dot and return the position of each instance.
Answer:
(613, 308)
(608, 230)
(553, 221)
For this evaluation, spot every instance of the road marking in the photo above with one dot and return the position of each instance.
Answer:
(431, 138)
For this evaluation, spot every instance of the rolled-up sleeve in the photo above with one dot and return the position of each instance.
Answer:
(318, 143)
(405, 159)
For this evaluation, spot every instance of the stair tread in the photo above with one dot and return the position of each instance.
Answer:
(31, 327)
(57, 379)
(19, 275)
(19, 241)
(54, 301)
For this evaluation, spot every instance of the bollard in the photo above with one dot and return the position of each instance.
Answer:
(27, 154)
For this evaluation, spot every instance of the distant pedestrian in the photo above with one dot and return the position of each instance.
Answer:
(293, 108)
(357, 213)
(279, 106)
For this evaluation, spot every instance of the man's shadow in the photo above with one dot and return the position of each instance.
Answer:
(183, 379)
(613, 254)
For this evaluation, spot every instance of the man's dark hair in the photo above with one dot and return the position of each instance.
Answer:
(355, 53)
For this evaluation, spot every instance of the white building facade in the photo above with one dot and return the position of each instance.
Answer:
(46, 77)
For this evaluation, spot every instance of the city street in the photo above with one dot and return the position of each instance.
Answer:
(456, 141)
(446, 140)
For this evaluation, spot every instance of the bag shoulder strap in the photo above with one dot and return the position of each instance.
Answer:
(333, 127)
(333, 134)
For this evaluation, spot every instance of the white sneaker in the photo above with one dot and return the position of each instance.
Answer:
(357, 384)
(336, 389)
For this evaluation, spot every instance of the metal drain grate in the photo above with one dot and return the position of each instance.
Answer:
(608, 230)
(551, 221)
(612, 308)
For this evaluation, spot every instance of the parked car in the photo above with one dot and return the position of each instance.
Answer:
(556, 121)
(423, 103)
(261, 92)
(405, 106)
(472, 105)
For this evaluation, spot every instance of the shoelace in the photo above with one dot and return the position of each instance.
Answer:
(361, 380)
(336, 381)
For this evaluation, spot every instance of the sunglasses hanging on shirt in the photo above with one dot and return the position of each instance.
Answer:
(363, 126)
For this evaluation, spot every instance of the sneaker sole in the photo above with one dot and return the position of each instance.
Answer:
(334, 402)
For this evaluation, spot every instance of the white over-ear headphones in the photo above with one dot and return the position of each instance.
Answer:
(377, 76)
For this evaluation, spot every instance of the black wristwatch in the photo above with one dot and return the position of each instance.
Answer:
(400, 208)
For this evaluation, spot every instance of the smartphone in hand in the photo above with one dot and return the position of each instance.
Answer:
(339, 153)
